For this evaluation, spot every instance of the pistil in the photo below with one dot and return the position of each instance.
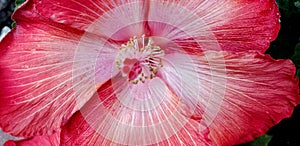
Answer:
(139, 59)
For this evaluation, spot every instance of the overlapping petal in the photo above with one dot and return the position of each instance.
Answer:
(44, 66)
(240, 96)
(222, 98)
(127, 114)
(62, 54)
(106, 17)
(234, 25)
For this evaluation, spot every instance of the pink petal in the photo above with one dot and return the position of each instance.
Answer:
(123, 19)
(126, 114)
(46, 70)
(238, 96)
(52, 140)
(216, 25)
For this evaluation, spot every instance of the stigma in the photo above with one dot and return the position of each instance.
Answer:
(139, 59)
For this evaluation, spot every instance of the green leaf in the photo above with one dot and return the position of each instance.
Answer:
(296, 56)
(288, 7)
(298, 73)
(13, 25)
(297, 3)
(19, 2)
(260, 141)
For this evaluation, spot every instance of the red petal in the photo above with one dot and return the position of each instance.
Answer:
(44, 66)
(126, 114)
(229, 25)
(116, 19)
(238, 96)
(52, 140)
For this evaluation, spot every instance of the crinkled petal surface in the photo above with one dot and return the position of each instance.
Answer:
(241, 95)
(236, 25)
(215, 98)
(62, 54)
(133, 116)
(52, 140)
(107, 17)
(44, 66)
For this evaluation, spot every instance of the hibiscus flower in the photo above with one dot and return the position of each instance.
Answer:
(134, 72)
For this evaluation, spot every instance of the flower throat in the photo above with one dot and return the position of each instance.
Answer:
(139, 59)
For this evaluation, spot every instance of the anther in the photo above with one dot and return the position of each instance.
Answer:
(139, 59)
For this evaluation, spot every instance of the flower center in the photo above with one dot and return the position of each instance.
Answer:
(139, 59)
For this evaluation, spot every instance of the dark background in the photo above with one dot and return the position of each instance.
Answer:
(287, 132)
(6, 7)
